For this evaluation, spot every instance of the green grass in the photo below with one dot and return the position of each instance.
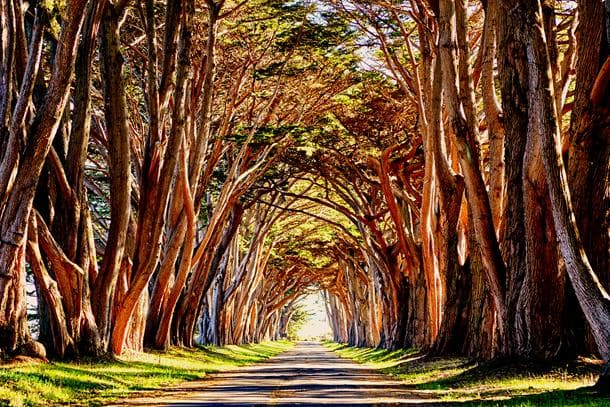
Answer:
(454, 380)
(94, 383)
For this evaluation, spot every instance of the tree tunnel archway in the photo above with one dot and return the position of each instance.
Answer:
(436, 168)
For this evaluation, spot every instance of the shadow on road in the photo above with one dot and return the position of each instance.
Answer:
(308, 375)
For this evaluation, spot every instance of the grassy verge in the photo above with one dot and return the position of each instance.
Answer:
(454, 380)
(97, 382)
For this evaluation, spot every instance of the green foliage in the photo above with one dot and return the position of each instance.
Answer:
(299, 38)
(456, 380)
(99, 382)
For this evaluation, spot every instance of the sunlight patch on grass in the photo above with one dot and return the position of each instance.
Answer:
(86, 383)
(455, 379)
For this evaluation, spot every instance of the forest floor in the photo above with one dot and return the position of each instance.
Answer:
(456, 381)
(100, 382)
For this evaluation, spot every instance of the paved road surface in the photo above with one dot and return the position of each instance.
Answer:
(307, 375)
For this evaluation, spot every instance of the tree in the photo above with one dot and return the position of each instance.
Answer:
(20, 171)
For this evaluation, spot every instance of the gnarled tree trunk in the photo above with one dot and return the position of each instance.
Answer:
(592, 297)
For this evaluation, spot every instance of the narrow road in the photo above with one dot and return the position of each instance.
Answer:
(307, 375)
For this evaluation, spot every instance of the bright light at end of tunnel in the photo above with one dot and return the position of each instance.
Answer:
(316, 327)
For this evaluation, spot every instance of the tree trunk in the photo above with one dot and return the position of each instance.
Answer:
(115, 112)
(152, 218)
(593, 298)
(71, 225)
(61, 340)
(588, 164)
(513, 74)
(15, 207)
(11, 146)
(14, 331)
(15, 215)
(493, 114)
(480, 320)
(459, 102)
(541, 297)
(536, 295)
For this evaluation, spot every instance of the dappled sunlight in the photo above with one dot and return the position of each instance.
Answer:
(309, 375)
(456, 379)
(32, 384)
(306, 375)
